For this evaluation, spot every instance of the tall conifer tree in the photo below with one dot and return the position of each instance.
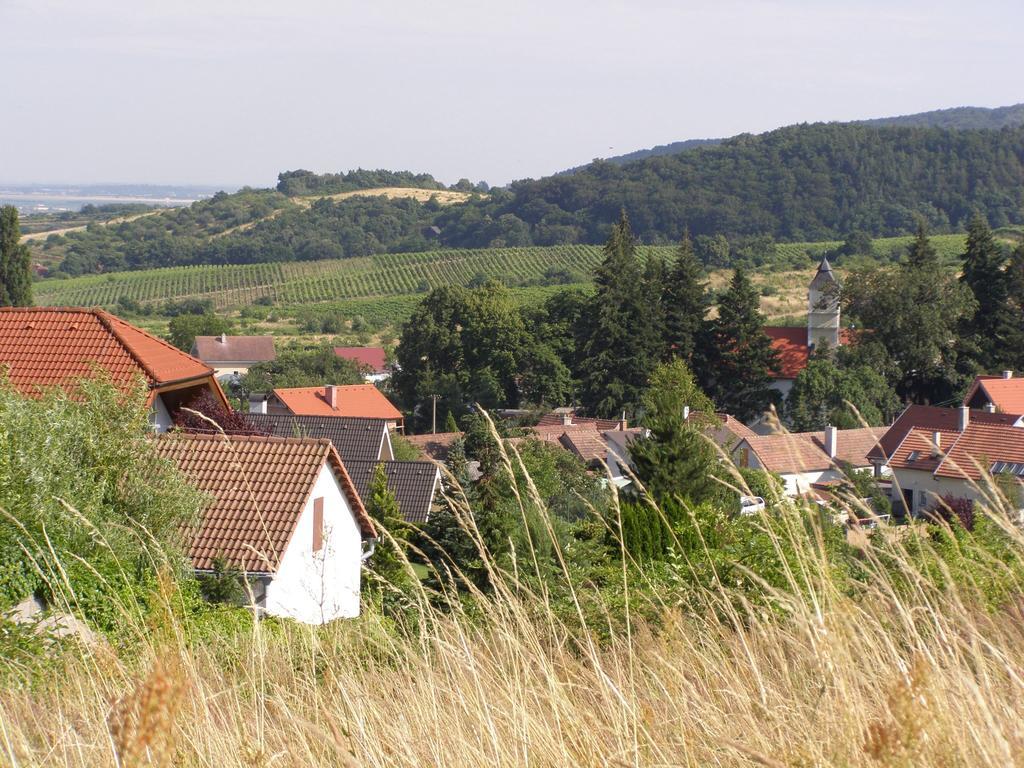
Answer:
(15, 277)
(987, 330)
(621, 340)
(921, 253)
(737, 357)
(684, 302)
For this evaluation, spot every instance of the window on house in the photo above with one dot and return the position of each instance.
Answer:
(913, 456)
(318, 523)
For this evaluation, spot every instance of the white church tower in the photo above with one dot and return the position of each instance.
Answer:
(823, 307)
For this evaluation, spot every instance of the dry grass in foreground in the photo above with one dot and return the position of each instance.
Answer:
(909, 678)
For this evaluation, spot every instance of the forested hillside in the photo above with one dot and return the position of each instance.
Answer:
(807, 182)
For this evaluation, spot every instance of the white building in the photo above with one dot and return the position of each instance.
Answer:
(284, 512)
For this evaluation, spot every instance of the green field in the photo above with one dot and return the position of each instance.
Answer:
(405, 275)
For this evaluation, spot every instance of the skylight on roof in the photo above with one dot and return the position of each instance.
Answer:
(1008, 467)
(913, 455)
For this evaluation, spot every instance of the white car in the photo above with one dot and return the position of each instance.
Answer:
(751, 505)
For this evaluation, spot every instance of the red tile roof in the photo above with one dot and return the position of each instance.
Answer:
(234, 349)
(259, 488)
(796, 452)
(556, 419)
(1006, 394)
(44, 347)
(359, 400)
(791, 345)
(373, 359)
(963, 455)
(928, 419)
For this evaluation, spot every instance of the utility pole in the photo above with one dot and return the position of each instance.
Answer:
(433, 424)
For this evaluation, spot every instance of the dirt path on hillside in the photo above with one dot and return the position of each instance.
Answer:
(108, 223)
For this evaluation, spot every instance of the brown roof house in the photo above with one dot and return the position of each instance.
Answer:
(46, 347)
(804, 459)
(937, 452)
(233, 355)
(285, 512)
(362, 401)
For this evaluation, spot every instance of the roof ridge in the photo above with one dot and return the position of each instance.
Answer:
(111, 323)
(243, 437)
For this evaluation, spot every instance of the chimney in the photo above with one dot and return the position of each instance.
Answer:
(936, 443)
(831, 441)
(332, 396)
(223, 338)
(567, 419)
(623, 424)
(965, 418)
(990, 407)
(1007, 374)
(257, 403)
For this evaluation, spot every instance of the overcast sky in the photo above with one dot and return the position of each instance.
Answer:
(234, 91)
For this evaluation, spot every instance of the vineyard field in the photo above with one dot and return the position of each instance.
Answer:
(385, 275)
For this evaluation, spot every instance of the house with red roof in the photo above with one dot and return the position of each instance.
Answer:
(363, 401)
(42, 348)
(234, 355)
(1002, 394)
(804, 459)
(794, 344)
(937, 452)
(285, 513)
(372, 361)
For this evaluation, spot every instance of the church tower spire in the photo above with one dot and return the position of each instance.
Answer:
(823, 307)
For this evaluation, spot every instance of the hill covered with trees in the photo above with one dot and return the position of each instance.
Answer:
(806, 182)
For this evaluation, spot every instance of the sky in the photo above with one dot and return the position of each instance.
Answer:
(232, 92)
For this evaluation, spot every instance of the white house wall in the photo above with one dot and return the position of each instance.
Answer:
(159, 416)
(927, 488)
(317, 587)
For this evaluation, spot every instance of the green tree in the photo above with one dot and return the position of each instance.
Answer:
(921, 254)
(621, 339)
(674, 459)
(183, 329)
(988, 329)
(736, 356)
(15, 263)
(388, 566)
(823, 389)
(914, 310)
(684, 302)
(1015, 297)
(450, 425)
(301, 368)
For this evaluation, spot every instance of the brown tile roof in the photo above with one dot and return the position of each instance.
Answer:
(234, 349)
(413, 483)
(354, 439)
(372, 359)
(797, 452)
(44, 347)
(359, 400)
(259, 488)
(435, 446)
(555, 419)
(1006, 394)
(979, 447)
(930, 418)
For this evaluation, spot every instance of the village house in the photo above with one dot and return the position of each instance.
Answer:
(233, 355)
(46, 347)
(415, 485)
(601, 444)
(794, 344)
(285, 513)
(436, 445)
(1003, 393)
(363, 401)
(937, 452)
(354, 439)
(372, 361)
(806, 459)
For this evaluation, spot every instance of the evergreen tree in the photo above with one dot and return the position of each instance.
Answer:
(921, 253)
(737, 357)
(987, 330)
(15, 263)
(675, 460)
(387, 567)
(450, 425)
(620, 338)
(684, 302)
(1015, 299)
